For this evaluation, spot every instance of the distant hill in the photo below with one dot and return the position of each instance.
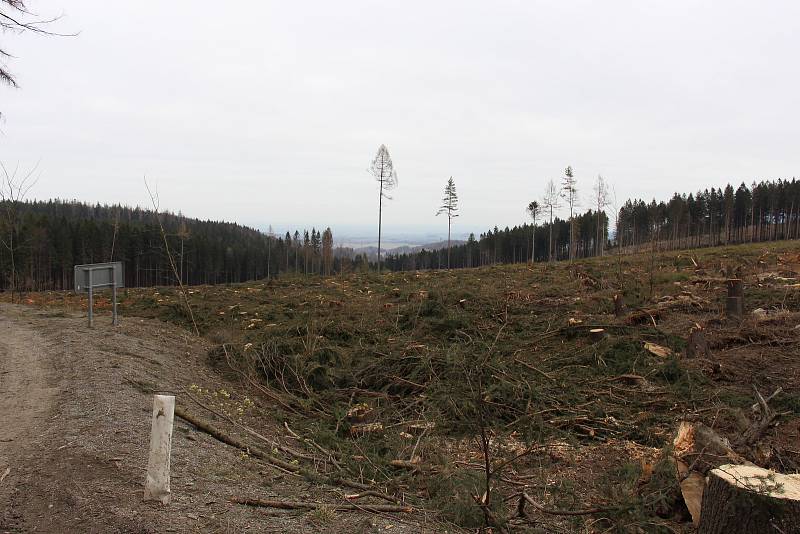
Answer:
(53, 236)
(372, 252)
(429, 246)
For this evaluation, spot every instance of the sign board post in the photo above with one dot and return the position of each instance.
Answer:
(91, 300)
(100, 276)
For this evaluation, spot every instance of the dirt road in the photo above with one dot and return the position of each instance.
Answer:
(74, 431)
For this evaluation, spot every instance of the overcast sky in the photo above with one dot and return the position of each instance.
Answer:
(269, 112)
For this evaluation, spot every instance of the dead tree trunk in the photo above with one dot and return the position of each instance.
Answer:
(750, 499)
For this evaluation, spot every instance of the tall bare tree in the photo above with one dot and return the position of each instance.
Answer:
(183, 234)
(449, 207)
(534, 210)
(382, 169)
(601, 202)
(551, 202)
(569, 192)
(156, 202)
(327, 251)
(14, 188)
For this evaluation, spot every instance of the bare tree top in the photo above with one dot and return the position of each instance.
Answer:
(383, 170)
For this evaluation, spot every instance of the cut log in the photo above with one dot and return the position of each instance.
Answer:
(750, 499)
(643, 317)
(658, 350)
(360, 413)
(366, 428)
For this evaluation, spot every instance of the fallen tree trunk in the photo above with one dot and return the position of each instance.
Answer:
(291, 505)
(750, 499)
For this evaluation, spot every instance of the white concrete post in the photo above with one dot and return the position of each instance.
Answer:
(156, 485)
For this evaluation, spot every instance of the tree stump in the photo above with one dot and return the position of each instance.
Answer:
(734, 303)
(597, 334)
(619, 305)
(696, 344)
(750, 499)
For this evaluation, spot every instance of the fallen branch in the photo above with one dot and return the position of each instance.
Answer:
(405, 464)
(371, 493)
(283, 465)
(525, 498)
(501, 465)
(320, 448)
(235, 442)
(764, 419)
(756, 406)
(249, 430)
(292, 505)
(532, 368)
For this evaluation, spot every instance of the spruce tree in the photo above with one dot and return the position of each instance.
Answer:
(569, 191)
(382, 169)
(449, 207)
(533, 210)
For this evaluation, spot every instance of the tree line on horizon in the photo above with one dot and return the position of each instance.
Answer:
(768, 210)
(50, 237)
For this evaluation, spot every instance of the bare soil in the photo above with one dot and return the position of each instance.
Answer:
(75, 407)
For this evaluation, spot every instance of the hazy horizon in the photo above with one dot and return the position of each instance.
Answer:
(271, 114)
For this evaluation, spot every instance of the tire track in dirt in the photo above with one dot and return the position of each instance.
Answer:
(26, 400)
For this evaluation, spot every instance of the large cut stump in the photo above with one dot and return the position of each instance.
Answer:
(750, 499)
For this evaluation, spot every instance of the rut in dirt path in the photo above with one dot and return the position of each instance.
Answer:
(26, 399)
